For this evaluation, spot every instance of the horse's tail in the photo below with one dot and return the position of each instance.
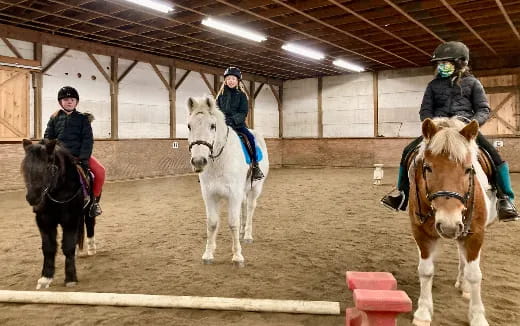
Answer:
(81, 231)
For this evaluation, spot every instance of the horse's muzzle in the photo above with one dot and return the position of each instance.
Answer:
(449, 231)
(198, 163)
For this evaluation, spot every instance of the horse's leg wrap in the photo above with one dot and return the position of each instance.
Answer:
(473, 275)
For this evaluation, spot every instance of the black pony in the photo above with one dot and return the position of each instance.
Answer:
(55, 192)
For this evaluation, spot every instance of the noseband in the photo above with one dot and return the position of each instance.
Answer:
(468, 200)
(210, 146)
(53, 170)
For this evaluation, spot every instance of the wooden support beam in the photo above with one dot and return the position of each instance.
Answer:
(53, 61)
(127, 71)
(183, 77)
(258, 90)
(280, 110)
(37, 83)
(500, 89)
(320, 107)
(276, 96)
(114, 96)
(100, 67)
(247, 91)
(216, 84)
(161, 77)
(206, 81)
(251, 114)
(16, 62)
(375, 91)
(173, 99)
(12, 48)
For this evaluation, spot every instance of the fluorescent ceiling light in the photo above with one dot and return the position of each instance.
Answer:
(233, 29)
(153, 5)
(348, 65)
(306, 52)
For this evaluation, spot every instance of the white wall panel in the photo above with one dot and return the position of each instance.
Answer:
(348, 105)
(400, 96)
(300, 108)
(24, 48)
(144, 109)
(266, 112)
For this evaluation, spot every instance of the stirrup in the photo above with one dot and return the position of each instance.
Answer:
(388, 205)
(511, 217)
(257, 174)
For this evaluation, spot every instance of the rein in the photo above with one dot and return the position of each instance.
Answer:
(468, 200)
(53, 169)
(210, 146)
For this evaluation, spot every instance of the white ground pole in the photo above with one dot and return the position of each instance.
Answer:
(165, 301)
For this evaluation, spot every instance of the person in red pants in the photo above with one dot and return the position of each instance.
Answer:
(73, 130)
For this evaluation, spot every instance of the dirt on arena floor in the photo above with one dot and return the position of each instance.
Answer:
(310, 227)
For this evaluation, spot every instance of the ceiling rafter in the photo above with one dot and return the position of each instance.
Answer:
(161, 30)
(508, 19)
(462, 20)
(121, 31)
(304, 33)
(352, 12)
(343, 32)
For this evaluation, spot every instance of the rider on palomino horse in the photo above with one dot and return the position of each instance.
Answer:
(456, 92)
(232, 101)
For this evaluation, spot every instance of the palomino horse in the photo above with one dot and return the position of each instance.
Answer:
(216, 154)
(55, 192)
(450, 198)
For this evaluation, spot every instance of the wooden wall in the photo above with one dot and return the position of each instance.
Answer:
(14, 104)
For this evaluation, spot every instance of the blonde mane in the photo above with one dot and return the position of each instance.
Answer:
(449, 141)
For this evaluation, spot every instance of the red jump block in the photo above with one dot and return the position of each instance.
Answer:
(379, 307)
(371, 280)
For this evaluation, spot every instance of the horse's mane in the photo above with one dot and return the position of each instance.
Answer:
(448, 140)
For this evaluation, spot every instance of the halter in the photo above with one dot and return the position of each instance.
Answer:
(53, 169)
(210, 146)
(468, 200)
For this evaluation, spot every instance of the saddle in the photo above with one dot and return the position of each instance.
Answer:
(247, 147)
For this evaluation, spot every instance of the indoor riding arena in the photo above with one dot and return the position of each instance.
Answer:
(336, 88)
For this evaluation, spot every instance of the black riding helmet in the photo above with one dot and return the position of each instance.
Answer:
(451, 51)
(234, 71)
(66, 92)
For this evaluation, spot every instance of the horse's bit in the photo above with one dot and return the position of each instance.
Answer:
(210, 146)
(469, 196)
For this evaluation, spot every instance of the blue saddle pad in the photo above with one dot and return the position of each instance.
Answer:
(259, 154)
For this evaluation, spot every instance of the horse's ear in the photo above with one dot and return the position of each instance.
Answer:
(210, 103)
(191, 104)
(470, 131)
(26, 143)
(429, 129)
(50, 146)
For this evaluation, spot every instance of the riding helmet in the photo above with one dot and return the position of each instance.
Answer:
(234, 71)
(66, 92)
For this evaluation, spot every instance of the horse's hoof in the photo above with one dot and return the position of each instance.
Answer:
(91, 252)
(43, 282)
(418, 322)
(247, 240)
(479, 320)
(466, 295)
(71, 284)
(207, 261)
(457, 285)
(239, 264)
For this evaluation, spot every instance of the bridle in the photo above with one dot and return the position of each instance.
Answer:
(467, 199)
(53, 170)
(210, 146)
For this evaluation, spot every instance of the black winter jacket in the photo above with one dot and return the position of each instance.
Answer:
(235, 106)
(73, 131)
(445, 98)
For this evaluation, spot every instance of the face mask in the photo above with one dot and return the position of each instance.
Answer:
(445, 69)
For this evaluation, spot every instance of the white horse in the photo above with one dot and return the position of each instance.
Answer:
(216, 154)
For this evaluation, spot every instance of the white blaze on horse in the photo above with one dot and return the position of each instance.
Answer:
(450, 198)
(217, 155)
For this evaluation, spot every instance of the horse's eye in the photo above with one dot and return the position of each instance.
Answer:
(189, 127)
(427, 168)
(468, 170)
(213, 126)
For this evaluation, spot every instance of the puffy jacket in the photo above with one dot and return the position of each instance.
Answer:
(73, 131)
(445, 98)
(233, 103)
